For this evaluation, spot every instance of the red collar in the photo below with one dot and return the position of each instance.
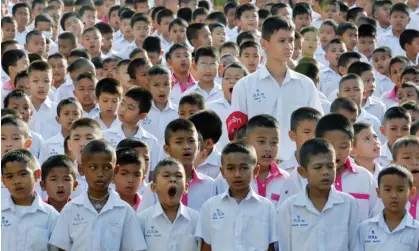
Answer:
(349, 166)
(137, 201)
(183, 88)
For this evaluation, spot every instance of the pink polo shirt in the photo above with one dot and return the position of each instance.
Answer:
(393, 94)
(137, 202)
(358, 182)
(178, 88)
(413, 206)
(201, 188)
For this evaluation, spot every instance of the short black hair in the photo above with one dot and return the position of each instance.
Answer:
(301, 9)
(359, 67)
(21, 75)
(353, 13)
(314, 147)
(176, 126)
(169, 161)
(231, 45)
(346, 57)
(152, 44)
(164, 13)
(108, 85)
(409, 70)
(304, 30)
(98, 146)
(359, 127)
(218, 16)
(410, 85)
(126, 156)
(397, 59)
(343, 27)
(404, 142)
(58, 161)
(276, 7)
(135, 64)
(343, 104)
(18, 6)
(142, 96)
(68, 101)
(214, 26)
(85, 8)
(366, 21)
(245, 35)
(15, 94)
(407, 37)
(243, 8)
(136, 51)
(16, 122)
(126, 14)
(156, 10)
(22, 156)
(80, 63)
(140, 17)
(193, 30)
(185, 14)
(414, 128)
(410, 106)
(334, 122)
(174, 47)
(396, 112)
(178, 21)
(79, 53)
(239, 146)
(6, 43)
(203, 4)
(66, 16)
(378, 4)
(104, 28)
(382, 49)
(85, 75)
(205, 51)
(350, 76)
(157, 70)
(367, 30)
(261, 121)
(86, 122)
(274, 24)
(130, 143)
(334, 41)
(304, 114)
(229, 5)
(198, 12)
(248, 44)
(34, 57)
(10, 58)
(39, 65)
(200, 120)
(236, 65)
(10, 112)
(43, 17)
(394, 169)
(193, 99)
(309, 69)
(400, 7)
(114, 8)
(97, 62)
(111, 59)
(122, 62)
(68, 36)
(263, 14)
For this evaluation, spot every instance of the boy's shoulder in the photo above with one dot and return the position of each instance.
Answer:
(157, 210)
(219, 200)
(55, 139)
(37, 206)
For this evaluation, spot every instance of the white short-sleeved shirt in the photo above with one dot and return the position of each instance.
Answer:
(161, 234)
(290, 164)
(292, 185)
(385, 155)
(226, 225)
(374, 235)
(43, 120)
(37, 142)
(81, 187)
(374, 106)
(165, 45)
(21, 36)
(211, 165)
(370, 119)
(115, 134)
(214, 94)
(26, 228)
(259, 93)
(381, 30)
(320, 54)
(92, 113)
(412, 206)
(66, 90)
(51, 147)
(124, 52)
(81, 227)
(102, 124)
(414, 19)
(329, 81)
(301, 227)
(325, 102)
(390, 40)
(157, 121)
(121, 44)
(223, 109)
(177, 90)
(382, 84)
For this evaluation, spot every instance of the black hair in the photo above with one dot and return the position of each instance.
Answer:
(156, 10)
(205, 51)
(178, 21)
(66, 16)
(83, 2)
(239, 146)
(343, 27)
(85, 8)
(10, 58)
(164, 13)
(122, 62)
(126, 156)
(378, 4)
(169, 161)
(10, 112)
(410, 105)
(92, 29)
(192, 31)
(301, 9)
(396, 112)
(193, 99)
(185, 14)
(198, 12)
(80, 53)
(314, 147)
(367, 21)
(174, 47)
(404, 142)
(16, 122)
(343, 7)
(382, 49)
(176, 126)
(38, 65)
(108, 85)
(203, 4)
(157, 70)
(409, 70)
(359, 67)
(18, 6)
(359, 127)
(200, 120)
(80, 63)
(142, 96)
(111, 59)
(245, 35)
(85, 75)
(243, 8)
(22, 156)
(353, 13)
(20, 75)
(414, 128)
(394, 169)
(152, 44)
(135, 64)
(229, 5)
(15, 94)
(398, 59)
(6, 43)
(35, 2)
(262, 120)
(263, 14)
(86, 122)
(126, 14)
(304, 30)
(400, 7)
(350, 76)
(97, 62)
(274, 24)
(230, 44)
(213, 26)
(68, 101)
(346, 57)
(343, 104)
(56, 56)
(334, 122)
(43, 17)
(304, 114)
(218, 16)
(104, 28)
(112, 9)
(98, 147)
(276, 7)
(309, 69)
(34, 57)
(367, 30)
(32, 34)
(136, 51)
(58, 161)
(140, 17)
(131, 143)
(68, 36)
(407, 37)
(248, 44)
(331, 23)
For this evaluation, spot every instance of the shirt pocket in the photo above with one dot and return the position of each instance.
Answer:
(257, 233)
(339, 233)
(111, 237)
(37, 239)
(188, 243)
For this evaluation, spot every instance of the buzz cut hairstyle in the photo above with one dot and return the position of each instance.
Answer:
(404, 142)
(121, 63)
(98, 146)
(243, 8)
(68, 101)
(230, 45)
(343, 104)
(367, 30)
(58, 161)
(43, 17)
(359, 127)
(33, 33)
(135, 64)
(359, 68)
(85, 75)
(245, 35)
(346, 57)
(178, 125)
(304, 114)
(79, 53)
(409, 70)
(214, 26)
(178, 21)
(334, 122)
(205, 51)
(7, 20)
(69, 37)
(414, 128)
(378, 4)
(152, 44)
(218, 16)
(192, 31)
(344, 27)
(236, 65)
(57, 56)
(410, 106)
(157, 70)
(307, 29)
(156, 10)
(86, 122)
(104, 28)
(169, 161)
(111, 59)
(261, 121)
(200, 120)
(276, 7)
(301, 9)
(6, 43)
(16, 122)
(193, 98)
(127, 156)
(162, 14)
(142, 96)
(22, 156)
(351, 76)
(366, 20)
(394, 169)
(136, 51)
(10, 58)
(39, 65)
(185, 14)
(352, 13)
(239, 146)
(83, 9)
(382, 49)
(131, 143)
(15, 94)
(263, 14)
(10, 112)
(249, 44)
(326, 3)
(331, 23)
(273, 25)
(81, 63)
(400, 7)
(126, 14)
(397, 112)
(92, 29)
(174, 47)
(199, 12)
(312, 148)
(108, 85)
(140, 17)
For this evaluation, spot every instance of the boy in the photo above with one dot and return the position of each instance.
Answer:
(137, 71)
(381, 12)
(129, 174)
(59, 70)
(134, 107)
(299, 215)
(301, 15)
(199, 15)
(14, 134)
(250, 55)
(68, 110)
(380, 61)
(327, 33)
(8, 28)
(230, 11)
(191, 104)
(164, 17)
(153, 47)
(409, 40)
(179, 61)
(162, 109)
(408, 91)
(238, 167)
(396, 66)
(92, 41)
(94, 228)
(88, 15)
(329, 10)
(177, 31)
(206, 65)
(218, 34)
(397, 123)
(348, 33)
(169, 183)
(43, 121)
(141, 6)
(393, 224)
(58, 179)
(71, 22)
(413, 108)
(199, 35)
(108, 94)
(345, 107)
(24, 214)
(310, 43)
(399, 18)
(141, 28)
(254, 94)
(107, 39)
(122, 75)
(350, 178)
(126, 30)
(21, 14)
(109, 66)
(12, 62)
(247, 19)
(67, 41)
(366, 149)
(367, 40)
(84, 91)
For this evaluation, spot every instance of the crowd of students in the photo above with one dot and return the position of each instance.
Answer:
(211, 125)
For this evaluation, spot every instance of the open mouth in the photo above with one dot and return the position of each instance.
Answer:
(231, 90)
(172, 191)
(187, 155)
(60, 193)
(19, 189)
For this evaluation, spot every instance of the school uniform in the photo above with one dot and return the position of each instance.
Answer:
(383, 84)
(82, 185)
(226, 225)
(292, 185)
(157, 121)
(211, 165)
(412, 207)
(21, 36)
(377, 170)
(381, 30)
(115, 134)
(92, 113)
(390, 98)
(317, 23)
(324, 101)
(215, 93)
(51, 147)
(320, 54)
(81, 227)
(390, 40)
(259, 93)
(102, 124)
(290, 164)
(165, 44)
(414, 19)
(43, 120)
(366, 117)
(329, 81)
(374, 234)
(161, 234)
(111, 53)
(26, 227)
(124, 52)
(37, 142)
(223, 109)
(121, 45)
(232, 33)
(386, 157)
(375, 107)
(178, 88)
(358, 182)
(302, 227)
(66, 89)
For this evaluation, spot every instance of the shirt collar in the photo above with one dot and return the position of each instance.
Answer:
(407, 221)
(213, 159)
(275, 171)
(158, 211)
(191, 82)
(48, 102)
(349, 166)
(37, 204)
(113, 201)
(8, 85)
(303, 200)
(264, 73)
(251, 194)
(169, 105)
(137, 201)
(196, 177)
(386, 152)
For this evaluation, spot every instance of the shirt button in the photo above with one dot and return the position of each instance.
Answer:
(337, 184)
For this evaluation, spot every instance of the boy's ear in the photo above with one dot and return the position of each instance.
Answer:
(166, 149)
(147, 85)
(382, 130)
(220, 68)
(161, 53)
(116, 170)
(76, 184)
(264, 43)
(341, 70)
(221, 171)
(42, 183)
(412, 191)
(28, 143)
(377, 190)
(256, 170)
(209, 144)
(57, 119)
(194, 66)
(80, 169)
(143, 115)
(302, 172)
(186, 188)
(153, 186)
(37, 174)
(292, 135)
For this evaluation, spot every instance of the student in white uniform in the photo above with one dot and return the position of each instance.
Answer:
(169, 225)
(98, 219)
(27, 221)
(84, 91)
(396, 66)
(21, 13)
(108, 94)
(238, 219)
(393, 228)
(320, 217)
(380, 11)
(271, 89)
(397, 122)
(380, 61)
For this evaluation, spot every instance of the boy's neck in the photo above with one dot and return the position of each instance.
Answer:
(334, 68)
(139, 43)
(130, 130)
(318, 197)
(207, 86)
(239, 195)
(183, 77)
(104, 51)
(392, 220)
(107, 119)
(384, 26)
(170, 211)
(367, 163)
(160, 106)
(36, 102)
(277, 69)
(25, 201)
(65, 132)
(88, 108)
(21, 28)
(411, 56)
(263, 172)
(98, 194)
(396, 33)
(130, 199)
(57, 204)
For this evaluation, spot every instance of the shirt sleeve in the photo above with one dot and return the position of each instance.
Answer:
(132, 227)
(239, 99)
(61, 235)
(359, 240)
(314, 101)
(43, 155)
(373, 196)
(284, 228)
(353, 224)
(204, 225)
